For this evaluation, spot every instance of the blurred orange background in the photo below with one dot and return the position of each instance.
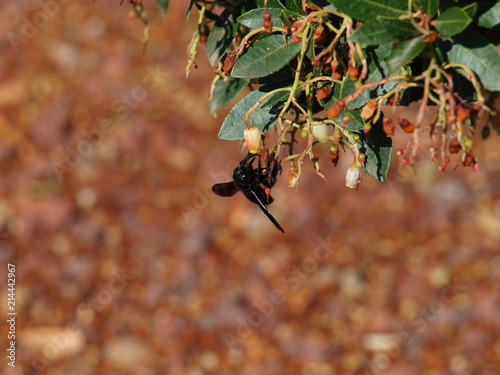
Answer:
(127, 263)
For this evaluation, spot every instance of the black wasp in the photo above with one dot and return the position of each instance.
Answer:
(255, 183)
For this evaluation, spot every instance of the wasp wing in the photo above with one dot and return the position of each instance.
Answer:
(259, 194)
(256, 199)
(225, 189)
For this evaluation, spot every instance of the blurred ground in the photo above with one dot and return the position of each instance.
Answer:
(126, 263)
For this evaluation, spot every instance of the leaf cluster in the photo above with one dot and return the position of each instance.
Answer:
(340, 64)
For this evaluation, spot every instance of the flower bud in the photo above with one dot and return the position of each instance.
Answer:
(204, 32)
(323, 92)
(335, 109)
(352, 71)
(293, 177)
(431, 37)
(319, 36)
(468, 159)
(334, 155)
(334, 65)
(388, 126)
(266, 16)
(252, 138)
(228, 63)
(352, 176)
(392, 100)
(368, 110)
(451, 117)
(454, 146)
(320, 131)
(298, 26)
(463, 113)
(267, 21)
(406, 125)
(469, 143)
(337, 75)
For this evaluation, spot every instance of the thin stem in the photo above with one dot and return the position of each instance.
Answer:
(261, 100)
(244, 41)
(193, 46)
(471, 76)
(305, 37)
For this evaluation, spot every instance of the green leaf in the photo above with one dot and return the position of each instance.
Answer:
(368, 10)
(463, 87)
(311, 53)
(348, 87)
(355, 120)
(295, 6)
(430, 7)
(287, 22)
(220, 38)
(471, 9)
(383, 30)
(397, 27)
(491, 18)
(225, 91)
(267, 55)
(321, 3)
(472, 50)
(163, 4)
(253, 18)
(404, 52)
(263, 117)
(377, 55)
(270, 4)
(452, 22)
(372, 34)
(378, 149)
(282, 76)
